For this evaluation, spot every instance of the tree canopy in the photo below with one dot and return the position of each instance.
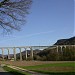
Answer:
(13, 13)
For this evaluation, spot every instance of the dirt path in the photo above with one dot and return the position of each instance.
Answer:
(25, 70)
(3, 72)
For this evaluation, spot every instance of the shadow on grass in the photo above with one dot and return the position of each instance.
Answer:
(62, 73)
(57, 73)
(11, 73)
(16, 73)
(8, 73)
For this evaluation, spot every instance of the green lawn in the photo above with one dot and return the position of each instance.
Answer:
(67, 68)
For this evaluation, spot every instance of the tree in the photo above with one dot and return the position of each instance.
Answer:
(13, 13)
(69, 54)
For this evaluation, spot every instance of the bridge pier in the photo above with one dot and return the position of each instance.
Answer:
(73, 46)
(26, 53)
(31, 54)
(57, 49)
(3, 53)
(8, 53)
(14, 54)
(61, 48)
(20, 55)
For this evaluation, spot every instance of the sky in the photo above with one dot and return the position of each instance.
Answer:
(48, 21)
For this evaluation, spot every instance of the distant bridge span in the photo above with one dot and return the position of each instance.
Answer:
(31, 48)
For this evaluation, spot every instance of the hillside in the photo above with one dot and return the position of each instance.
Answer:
(67, 54)
(70, 41)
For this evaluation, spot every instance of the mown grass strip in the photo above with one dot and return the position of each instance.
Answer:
(39, 68)
(68, 64)
(14, 72)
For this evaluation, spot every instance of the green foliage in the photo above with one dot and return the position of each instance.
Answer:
(67, 54)
(37, 57)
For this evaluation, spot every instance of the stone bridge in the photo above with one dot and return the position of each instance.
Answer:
(32, 48)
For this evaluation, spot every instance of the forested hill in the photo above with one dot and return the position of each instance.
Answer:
(51, 54)
(70, 41)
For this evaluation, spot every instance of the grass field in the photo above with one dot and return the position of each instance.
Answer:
(48, 67)
(32, 63)
(67, 68)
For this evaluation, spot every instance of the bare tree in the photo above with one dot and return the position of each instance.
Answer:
(13, 13)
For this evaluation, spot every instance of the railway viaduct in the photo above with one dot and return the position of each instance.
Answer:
(32, 48)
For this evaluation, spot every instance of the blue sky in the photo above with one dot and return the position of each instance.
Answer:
(48, 21)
